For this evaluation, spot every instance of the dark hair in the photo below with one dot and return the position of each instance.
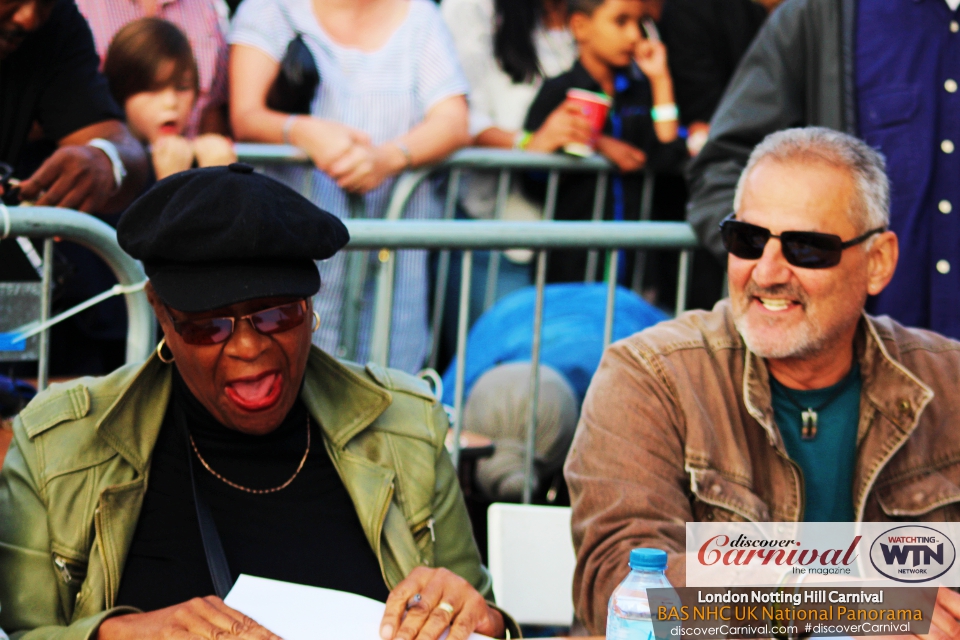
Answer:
(137, 52)
(513, 38)
(583, 6)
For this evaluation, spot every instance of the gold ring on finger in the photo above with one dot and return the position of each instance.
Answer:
(446, 606)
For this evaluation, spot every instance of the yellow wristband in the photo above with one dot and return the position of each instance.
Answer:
(522, 140)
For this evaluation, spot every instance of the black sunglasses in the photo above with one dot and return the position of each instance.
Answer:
(209, 331)
(806, 249)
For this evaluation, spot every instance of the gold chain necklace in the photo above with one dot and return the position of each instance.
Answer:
(247, 489)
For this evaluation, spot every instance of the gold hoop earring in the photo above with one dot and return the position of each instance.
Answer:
(316, 321)
(163, 343)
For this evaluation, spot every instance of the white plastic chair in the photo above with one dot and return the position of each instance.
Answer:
(531, 559)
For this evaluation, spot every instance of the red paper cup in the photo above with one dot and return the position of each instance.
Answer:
(595, 107)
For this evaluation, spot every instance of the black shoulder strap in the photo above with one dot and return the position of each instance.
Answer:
(212, 548)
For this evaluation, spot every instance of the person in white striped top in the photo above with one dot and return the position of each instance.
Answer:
(392, 97)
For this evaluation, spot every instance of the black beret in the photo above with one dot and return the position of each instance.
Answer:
(212, 237)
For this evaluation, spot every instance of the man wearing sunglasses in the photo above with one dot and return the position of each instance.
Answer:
(786, 402)
(129, 504)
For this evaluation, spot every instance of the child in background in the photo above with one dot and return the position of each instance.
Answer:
(153, 75)
(641, 129)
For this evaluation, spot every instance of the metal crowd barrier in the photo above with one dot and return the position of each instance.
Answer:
(99, 237)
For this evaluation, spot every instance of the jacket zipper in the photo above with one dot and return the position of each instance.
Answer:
(380, 521)
(426, 525)
(71, 571)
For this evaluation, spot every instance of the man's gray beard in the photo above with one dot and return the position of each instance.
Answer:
(801, 341)
(806, 339)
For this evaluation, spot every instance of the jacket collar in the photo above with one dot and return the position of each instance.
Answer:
(342, 403)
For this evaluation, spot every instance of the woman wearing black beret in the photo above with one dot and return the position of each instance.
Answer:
(129, 503)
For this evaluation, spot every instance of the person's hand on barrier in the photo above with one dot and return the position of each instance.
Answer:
(626, 156)
(213, 150)
(325, 141)
(437, 599)
(565, 125)
(170, 155)
(76, 177)
(365, 167)
(198, 618)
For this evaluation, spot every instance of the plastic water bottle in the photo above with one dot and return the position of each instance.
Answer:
(629, 612)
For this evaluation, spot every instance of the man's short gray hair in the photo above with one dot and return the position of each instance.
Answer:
(871, 206)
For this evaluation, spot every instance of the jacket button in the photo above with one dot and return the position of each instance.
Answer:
(904, 406)
(716, 489)
(709, 516)
(918, 496)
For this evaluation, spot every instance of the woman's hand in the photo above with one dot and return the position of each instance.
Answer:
(651, 57)
(626, 156)
(364, 167)
(565, 125)
(446, 600)
(198, 618)
(171, 154)
(213, 150)
(325, 141)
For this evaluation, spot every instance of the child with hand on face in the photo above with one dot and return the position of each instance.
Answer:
(641, 129)
(153, 75)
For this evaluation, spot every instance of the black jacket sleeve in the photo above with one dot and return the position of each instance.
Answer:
(76, 94)
(791, 76)
(705, 41)
(551, 95)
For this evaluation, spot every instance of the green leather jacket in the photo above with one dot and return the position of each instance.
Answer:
(74, 480)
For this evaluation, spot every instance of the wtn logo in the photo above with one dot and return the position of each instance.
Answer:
(912, 554)
(899, 554)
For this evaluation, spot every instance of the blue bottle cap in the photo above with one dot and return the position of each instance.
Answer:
(648, 559)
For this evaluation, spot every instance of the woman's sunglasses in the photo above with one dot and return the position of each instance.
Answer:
(209, 331)
(806, 249)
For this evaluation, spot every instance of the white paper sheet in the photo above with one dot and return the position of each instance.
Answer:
(298, 612)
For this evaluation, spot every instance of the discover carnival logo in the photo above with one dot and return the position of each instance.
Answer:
(912, 554)
(745, 551)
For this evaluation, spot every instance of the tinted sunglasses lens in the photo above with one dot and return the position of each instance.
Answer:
(279, 319)
(811, 250)
(210, 331)
(745, 241)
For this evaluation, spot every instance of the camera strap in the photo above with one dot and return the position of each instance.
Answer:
(212, 547)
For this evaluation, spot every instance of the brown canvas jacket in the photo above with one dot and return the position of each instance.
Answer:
(678, 426)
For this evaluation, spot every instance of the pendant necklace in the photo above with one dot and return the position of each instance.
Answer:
(809, 415)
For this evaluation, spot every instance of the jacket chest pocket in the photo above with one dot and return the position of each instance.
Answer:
(930, 497)
(717, 499)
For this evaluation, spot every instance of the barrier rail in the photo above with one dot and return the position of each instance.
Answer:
(99, 237)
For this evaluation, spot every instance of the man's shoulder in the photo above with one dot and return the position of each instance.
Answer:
(916, 346)
(709, 331)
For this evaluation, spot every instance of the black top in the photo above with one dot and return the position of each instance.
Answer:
(307, 533)
(705, 40)
(53, 79)
(630, 121)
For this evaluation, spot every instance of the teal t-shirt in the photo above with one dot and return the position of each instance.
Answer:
(827, 460)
